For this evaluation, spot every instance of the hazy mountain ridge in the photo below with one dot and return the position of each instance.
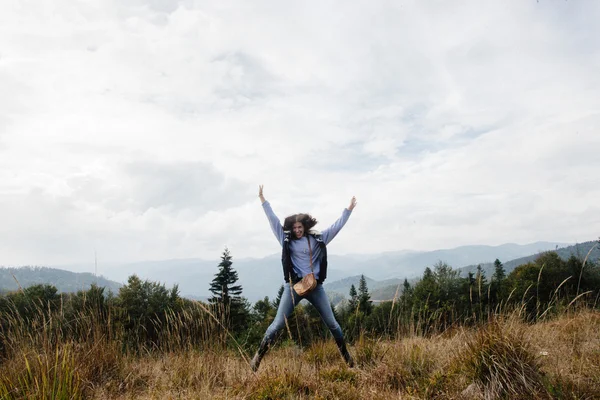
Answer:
(263, 277)
(64, 281)
(414, 264)
(579, 250)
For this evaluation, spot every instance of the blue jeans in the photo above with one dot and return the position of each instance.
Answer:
(317, 297)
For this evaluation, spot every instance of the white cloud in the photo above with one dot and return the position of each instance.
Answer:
(142, 128)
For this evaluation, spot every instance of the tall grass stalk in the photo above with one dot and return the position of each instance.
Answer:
(583, 266)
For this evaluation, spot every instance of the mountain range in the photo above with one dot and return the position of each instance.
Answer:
(263, 277)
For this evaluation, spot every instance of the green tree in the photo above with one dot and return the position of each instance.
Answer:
(436, 296)
(90, 305)
(144, 307)
(227, 299)
(498, 283)
(450, 287)
(384, 320)
(278, 298)
(91, 300)
(470, 289)
(353, 302)
(480, 276)
(262, 308)
(406, 286)
(35, 301)
(365, 304)
(499, 272)
(535, 284)
(426, 291)
(482, 290)
(405, 304)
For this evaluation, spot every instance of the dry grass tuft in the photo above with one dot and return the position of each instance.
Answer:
(414, 366)
(569, 353)
(322, 352)
(368, 352)
(501, 361)
(288, 383)
(337, 374)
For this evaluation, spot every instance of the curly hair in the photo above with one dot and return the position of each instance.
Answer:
(305, 219)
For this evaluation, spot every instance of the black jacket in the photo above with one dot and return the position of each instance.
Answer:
(286, 259)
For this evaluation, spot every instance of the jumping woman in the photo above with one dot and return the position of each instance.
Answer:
(304, 252)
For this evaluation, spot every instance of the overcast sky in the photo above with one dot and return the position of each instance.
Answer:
(141, 129)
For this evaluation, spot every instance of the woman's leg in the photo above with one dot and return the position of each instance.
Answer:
(319, 299)
(289, 300)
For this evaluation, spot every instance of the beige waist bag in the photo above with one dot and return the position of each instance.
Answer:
(309, 281)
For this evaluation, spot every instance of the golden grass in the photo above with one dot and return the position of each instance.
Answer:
(553, 359)
(569, 352)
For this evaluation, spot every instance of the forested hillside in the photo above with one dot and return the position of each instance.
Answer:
(386, 290)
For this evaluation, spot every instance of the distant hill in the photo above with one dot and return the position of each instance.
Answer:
(390, 291)
(342, 286)
(64, 281)
(387, 289)
(379, 290)
(579, 250)
(400, 265)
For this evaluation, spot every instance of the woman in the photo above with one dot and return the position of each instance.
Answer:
(304, 251)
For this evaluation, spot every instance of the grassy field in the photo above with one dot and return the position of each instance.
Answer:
(505, 358)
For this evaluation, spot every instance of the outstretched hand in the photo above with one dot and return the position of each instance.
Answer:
(352, 203)
(260, 193)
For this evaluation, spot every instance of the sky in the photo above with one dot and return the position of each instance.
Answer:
(141, 129)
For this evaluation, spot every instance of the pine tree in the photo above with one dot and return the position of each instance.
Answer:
(471, 282)
(406, 298)
(262, 308)
(353, 302)
(481, 282)
(427, 290)
(498, 282)
(406, 286)
(278, 298)
(364, 298)
(499, 272)
(227, 299)
(480, 275)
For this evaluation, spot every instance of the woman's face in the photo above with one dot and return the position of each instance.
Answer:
(298, 229)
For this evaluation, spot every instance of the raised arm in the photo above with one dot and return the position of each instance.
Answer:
(273, 220)
(332, 231)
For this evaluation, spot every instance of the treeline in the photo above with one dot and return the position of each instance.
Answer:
(147, 316)
(442, 298)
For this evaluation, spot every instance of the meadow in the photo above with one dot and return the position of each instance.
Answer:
(534, 334)
(505, 357)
